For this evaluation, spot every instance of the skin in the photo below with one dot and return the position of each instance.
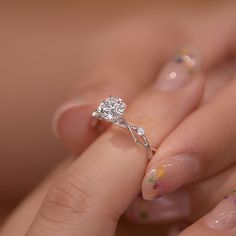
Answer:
(57, 201)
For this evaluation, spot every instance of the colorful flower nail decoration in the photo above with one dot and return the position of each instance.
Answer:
(185, 57)
(156, 179)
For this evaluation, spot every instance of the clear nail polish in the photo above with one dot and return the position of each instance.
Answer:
(223, 216)
(179, 72)
(173, 206)
(168, 175)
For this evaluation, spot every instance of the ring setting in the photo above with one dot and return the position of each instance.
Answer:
(112, 110)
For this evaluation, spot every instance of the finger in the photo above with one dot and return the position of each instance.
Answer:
(126, 65)
(220, 221)
(212, 190)
(22, 217)
(169, 208)
(186, 203)
(195, 149)
(178, 205)
(91, 191)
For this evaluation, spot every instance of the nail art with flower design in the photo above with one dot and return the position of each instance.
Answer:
(156, 178)
(185, 56)
(169, 174)
(179, 71)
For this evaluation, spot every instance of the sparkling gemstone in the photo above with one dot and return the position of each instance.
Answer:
(141, 131)
(110, 109)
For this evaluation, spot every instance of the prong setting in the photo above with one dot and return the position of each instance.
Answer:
(111, 110)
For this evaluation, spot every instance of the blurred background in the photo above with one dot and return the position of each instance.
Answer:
(45, 48)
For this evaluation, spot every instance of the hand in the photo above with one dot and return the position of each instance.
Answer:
(189, 109)
(86, 195)
(213, 49)
(89, 198)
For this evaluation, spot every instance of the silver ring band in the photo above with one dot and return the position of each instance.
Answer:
(111, 110)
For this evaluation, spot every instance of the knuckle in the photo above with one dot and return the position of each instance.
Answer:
(67, 201)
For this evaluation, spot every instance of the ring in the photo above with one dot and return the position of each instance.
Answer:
(111, 110)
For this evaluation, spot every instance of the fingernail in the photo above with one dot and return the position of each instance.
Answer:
(178, 228)
(64, 108)
(223, 216)
(178, 72)
(168, 175)
(171, 207)
(73, 124)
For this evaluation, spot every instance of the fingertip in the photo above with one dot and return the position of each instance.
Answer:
(72, 124)
(63, 108)
(169, 174)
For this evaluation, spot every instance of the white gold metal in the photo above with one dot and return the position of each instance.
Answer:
(111, 110)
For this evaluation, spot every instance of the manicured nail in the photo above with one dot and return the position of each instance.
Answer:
(178, 72)
(65, 107)
(223, 216)
(168, 175)
(171, 207)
